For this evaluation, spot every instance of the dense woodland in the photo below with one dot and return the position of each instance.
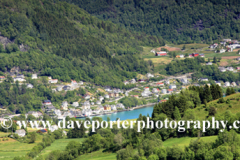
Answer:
(177, 21)
(65, 42)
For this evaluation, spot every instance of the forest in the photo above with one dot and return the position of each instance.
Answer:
(64, 41)
(177, 21)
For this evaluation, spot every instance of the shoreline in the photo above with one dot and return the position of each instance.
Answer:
(131, 109)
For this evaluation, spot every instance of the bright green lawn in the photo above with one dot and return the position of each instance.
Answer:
(98, 155)
(59, 144)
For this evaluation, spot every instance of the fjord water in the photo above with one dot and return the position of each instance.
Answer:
(129, 114)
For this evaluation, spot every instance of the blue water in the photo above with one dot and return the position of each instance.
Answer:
(129, 114)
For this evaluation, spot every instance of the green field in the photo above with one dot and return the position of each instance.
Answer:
(12, 148)
(59, 144)
(98, 155)
(185, 141)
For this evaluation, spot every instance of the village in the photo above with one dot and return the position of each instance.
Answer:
(98, 100)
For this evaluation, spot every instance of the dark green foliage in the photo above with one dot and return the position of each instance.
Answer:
(77, 132)
(177, 21)
(212, 111)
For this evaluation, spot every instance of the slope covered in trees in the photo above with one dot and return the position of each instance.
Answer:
(179, 21)
(87, 48)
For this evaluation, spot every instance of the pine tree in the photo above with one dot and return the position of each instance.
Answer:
(232, 91)
(176, 114)
(214, 92)
(207, 93)
(219, 91)
(228, 92)
(215, 60)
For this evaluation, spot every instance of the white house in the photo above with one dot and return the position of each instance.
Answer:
(222, 69)
(181, 56)
(87, 112)
(184, 80)
(53, 81)
(153, 51)
(57, 112)
(92, 103)
(172, 86)
(64, 105)
(227, 84)
(87, 96)
(120, 105)
(106, 96)
(86, 105)
(126, 82)
(98, 102)
(113, 107)
(133, 81)
(218, 83)
(101, 98)
(80, 83)
(20, 132)
(149, 75)
(34, 76)
(204, 79)
(53, 128)
(167, 82)
(36, 114)
(222, 51)
(59, 89)
(164, 91)
(209, 63)
(230, 69)
(29, 86)
(19, 78)
(75, 104)
(233, 84)
(155, 90)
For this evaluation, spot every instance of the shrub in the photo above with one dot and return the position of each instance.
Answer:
(221, 100)
(228, 101)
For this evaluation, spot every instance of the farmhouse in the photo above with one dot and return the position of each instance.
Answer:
(162, 53)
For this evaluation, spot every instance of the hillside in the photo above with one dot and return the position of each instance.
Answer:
(178, 21)
(97, 51)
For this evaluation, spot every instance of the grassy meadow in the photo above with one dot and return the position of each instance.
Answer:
(59, 144)
(12, 148)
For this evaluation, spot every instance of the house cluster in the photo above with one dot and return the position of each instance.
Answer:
(132, 81)
(231, 69)
(112, 93)
(232, 44)
(19, 78)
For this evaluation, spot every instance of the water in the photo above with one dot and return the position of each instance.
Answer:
(129, 114)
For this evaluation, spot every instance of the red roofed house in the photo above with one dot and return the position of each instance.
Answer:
(170, 90)
(73, 82)
(195, 54)
(238, 68)
(163, 53)
(161, 101)
(147, 88)
(160, 84)
(2, 77)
